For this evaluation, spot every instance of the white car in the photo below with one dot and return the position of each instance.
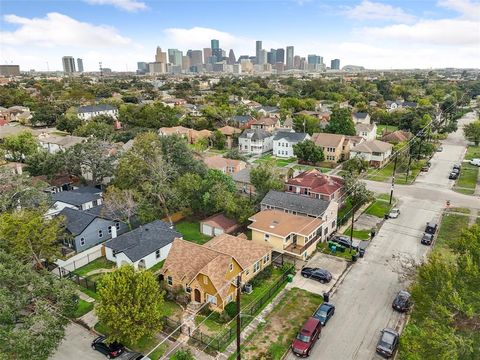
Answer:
(475, 162)
(394, 213)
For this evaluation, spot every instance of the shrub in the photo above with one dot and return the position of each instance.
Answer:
(231, 309)
(264, 274)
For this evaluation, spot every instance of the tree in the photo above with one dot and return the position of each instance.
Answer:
(308, 152)
(355, 165)
(306, 123)
(99, 130)
(130, 304)
(235, 154)
(45, 115)
(265, 177)
(182, 355)
(68, 124)
(119, 204)
(472, 132)
(341, 122)
(218, 140)
(20, 146)
(30, 236)
(34, 310)
(44, 163)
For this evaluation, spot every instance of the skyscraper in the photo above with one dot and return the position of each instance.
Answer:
(262, 57)
(160, 57)
(296, 61)
(214, 44)
(207, 53)
(335, 64)
(68, 64)
(195, 58)
(272, 56)
(80, 65)
(175, 57)
(314, 60)
(142, 67)
(258, 48)
(290, 56)
(281, 56)
(231, 57)
(217, 53)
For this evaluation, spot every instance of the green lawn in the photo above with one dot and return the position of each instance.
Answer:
(346, 254)
(210, 324)
(379, 207)
(100, 263)
(158, 353)
(172, 310)
(191, 231)
(83, 307)
(157, 267)
(473, 152)
(279, 162)
(88, 292)
(451, 227)
(358, 234)
(309, 167)
(261, 287)
(347, 206)
(385, 174)
(389, 128)
(467, 180)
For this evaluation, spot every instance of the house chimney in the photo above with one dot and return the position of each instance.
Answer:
(114, 231)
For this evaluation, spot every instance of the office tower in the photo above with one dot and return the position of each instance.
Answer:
(214, 44)
(175, 57)
(196, 57)
(280, 56)
(313, 60)
(296, 62)
(262, 57)
(272, 56)
(10, 70)
(185, 62)
(302, 64)
(290, 56)
(160, 56)
(231, 57)
(207, 53)
(68, 64)
(335, 64)
(217, 53)
(80, 65)
(258, 48)
(279, 67)
(142, 66)
(157, 68)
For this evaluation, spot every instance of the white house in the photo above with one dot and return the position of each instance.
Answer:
(83, 198)
(255, 141)
(283, 142)
(366, 131)
(56, 143)
(90, 111)
(361, 118)
(376, 152)
(143, 247)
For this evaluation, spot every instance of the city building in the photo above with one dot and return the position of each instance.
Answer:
(216, 51)
(207, 54)
(255, 141)
(160, 56)
(79, 65)
(175, 57)
(89, 111)
(196, 60)
(335, 64)
(231, 57)
(313, 183)
(262, 57)
(280, 56)
(68, 64)
(9, 70)
(142, 68)
(157, 68)
(290, 56)
(272, 57)
(258, 48)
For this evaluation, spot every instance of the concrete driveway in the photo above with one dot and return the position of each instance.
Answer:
(77, 345)
(331, 263)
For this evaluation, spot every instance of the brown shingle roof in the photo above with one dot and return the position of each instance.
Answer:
(397, 136)
(221, 221)
(372, 146)
(268, 121)
(328, 140)
(218, 162)
(283, 224)
(229, 130)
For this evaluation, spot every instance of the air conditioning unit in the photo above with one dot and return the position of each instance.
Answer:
(247, 288)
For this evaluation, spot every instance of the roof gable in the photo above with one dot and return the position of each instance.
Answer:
(294, 202)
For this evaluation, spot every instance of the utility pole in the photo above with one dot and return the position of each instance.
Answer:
(239, 322)
(409, 162)
(351, 228)
(393, 178)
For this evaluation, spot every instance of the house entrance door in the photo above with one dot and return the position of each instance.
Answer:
(197, 295)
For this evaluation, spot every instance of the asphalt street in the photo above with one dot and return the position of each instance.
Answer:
(77, 345)
(363, 300)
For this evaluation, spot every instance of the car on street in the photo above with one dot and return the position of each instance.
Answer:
(453, 175)
(128, 355)
(475, 162)
(457, 167)
(111, 351)
(440, 149)
(427, 239)
(431, 228)
(324, 313)
(306, 338)
(402, 302)
(322, 275)
(424, 169)
(394, 213)
(388, 342)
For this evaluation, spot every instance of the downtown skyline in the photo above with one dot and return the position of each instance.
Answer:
(376, 35)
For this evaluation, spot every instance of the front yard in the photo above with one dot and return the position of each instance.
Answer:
(190, 229)
(380, 206)
(467, 180)
(451, 226)
(385, 174)
(100, 263)
(273, 338)
(279, 162)
(310, 167)
(358, 234)
(382, 129)
(325, 249)
(473, 152)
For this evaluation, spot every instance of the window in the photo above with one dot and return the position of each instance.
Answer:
(117, 225)
(169, 280)
(157, 254)
(100, 233)
(188, 289)
(325, 232)
(256, 267)
(231, 267)
(247, 272)
(211, 299)
(205, 280)
(333, 224)
(110, 230)
(82, 241)
(266, 258)
(229, 298)
(266, 237)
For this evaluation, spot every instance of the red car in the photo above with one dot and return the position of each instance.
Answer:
(306, 338)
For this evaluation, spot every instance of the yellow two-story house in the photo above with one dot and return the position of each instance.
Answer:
(209, 272)
(294, 235)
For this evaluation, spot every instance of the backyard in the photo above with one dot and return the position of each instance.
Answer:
(273, 337)
(310, 167)
(467, 180)
(190, 229)
(280, 162)
(382, 129)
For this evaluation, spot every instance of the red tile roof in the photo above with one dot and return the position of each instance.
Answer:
(317, 182)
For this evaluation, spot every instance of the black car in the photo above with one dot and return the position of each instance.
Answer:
(427, 239)
(322, 275)
(324, 313)
(342, 240)
(457, 167)
(431, 228)
(402, 302)
(132, 356)
(388, 343)
(110, 350)
(453, 175)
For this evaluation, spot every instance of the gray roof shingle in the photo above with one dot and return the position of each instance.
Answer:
(94, 108)
(76, 220)
(294, 202)
(78, 196)
(255, 134)
(290, 136)
(144, 240)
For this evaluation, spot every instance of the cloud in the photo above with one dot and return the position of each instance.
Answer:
(468, 9)
(368, 10)
(451, 32)
(128, 5)
(60, 30)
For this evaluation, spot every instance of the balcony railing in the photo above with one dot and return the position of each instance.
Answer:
(299, 249)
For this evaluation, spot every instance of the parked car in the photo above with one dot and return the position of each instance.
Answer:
(475, 162)
(394, 213)
(440, 149)
(343, 240)
(324, 313)
(431, 228)
(453, 175)
(112, 350)
(457, 167)
(388, 342)
(429, 163)
(403, 301)
(132, 356)
(424, 169)
(427, 239)
(306, 338)
(322, 275)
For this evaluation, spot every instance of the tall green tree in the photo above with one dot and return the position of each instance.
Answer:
(472, 132)
(130, 304)
(308, 152)
(341, 122)
(265, 177)
(20, 146)
(306, 123)
(34, 309)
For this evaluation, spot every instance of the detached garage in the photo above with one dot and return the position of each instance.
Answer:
(218, 224)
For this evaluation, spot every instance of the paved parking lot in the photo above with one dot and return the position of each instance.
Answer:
(331, 263)
(77, 345)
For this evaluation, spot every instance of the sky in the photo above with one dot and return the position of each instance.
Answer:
(375, 34)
